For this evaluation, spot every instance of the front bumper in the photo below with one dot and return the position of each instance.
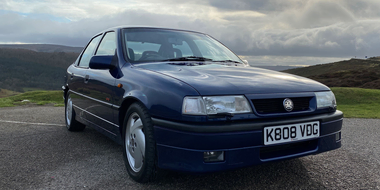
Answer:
(181, 146)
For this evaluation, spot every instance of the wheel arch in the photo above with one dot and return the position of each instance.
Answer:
(127, 102)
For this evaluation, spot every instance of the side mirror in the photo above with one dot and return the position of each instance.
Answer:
(101, 62)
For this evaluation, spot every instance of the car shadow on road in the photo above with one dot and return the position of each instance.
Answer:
(289, 174)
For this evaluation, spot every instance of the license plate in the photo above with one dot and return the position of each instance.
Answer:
(291, 133)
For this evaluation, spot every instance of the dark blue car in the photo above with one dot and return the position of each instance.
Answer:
(181, 100)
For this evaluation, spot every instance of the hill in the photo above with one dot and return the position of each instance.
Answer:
(42, 66)
(21, 68)
(43, 47)
(362, 73)
(276, 68)
(6, 93)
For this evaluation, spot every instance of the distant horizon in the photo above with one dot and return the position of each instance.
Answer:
(254, 60)
(19, 43)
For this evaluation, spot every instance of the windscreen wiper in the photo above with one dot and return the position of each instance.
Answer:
(228, 61)
(189, 58)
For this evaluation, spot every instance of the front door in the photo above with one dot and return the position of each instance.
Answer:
(101, 89)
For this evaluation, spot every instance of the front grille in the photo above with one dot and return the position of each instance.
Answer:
(269, 106)
(288, 149)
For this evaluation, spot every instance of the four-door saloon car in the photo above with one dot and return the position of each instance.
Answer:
(181, 100)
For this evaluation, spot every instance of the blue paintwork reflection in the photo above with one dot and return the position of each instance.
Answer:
(75, 78)
(220, 79)
(101, 87)
(161, 94)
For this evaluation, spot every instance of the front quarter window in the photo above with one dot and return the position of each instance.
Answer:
(87, 53)
(108, 44)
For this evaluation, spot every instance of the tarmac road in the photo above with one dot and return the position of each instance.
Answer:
(42, 154)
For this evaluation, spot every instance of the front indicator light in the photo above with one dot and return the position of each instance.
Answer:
(193, 106)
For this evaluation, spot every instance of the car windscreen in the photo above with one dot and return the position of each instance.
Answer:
(144, 45)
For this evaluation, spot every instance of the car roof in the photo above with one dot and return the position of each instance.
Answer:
(147, 27)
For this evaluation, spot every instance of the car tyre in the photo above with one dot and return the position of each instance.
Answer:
(139, 146)
(71, 123)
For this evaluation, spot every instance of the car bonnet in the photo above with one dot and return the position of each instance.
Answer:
(217, 79)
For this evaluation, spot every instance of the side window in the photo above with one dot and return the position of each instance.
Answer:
(87, 54)
(107, 45)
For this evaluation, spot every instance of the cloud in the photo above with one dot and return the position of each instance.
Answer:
(317, 14)
(18, 28)
(368, 9)
(256, 5)
(338, 40)
(272, 28)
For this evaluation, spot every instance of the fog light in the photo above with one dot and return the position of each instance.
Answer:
(215, 156)
(337, 136)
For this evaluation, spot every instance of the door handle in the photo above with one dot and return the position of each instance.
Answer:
(71, 76)
(86, 78)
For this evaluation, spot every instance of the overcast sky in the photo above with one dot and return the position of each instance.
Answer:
(272, 32)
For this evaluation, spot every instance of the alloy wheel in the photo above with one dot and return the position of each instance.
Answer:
(135, 142)
(69, 110)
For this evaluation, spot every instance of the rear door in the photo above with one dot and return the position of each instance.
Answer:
(78, 80)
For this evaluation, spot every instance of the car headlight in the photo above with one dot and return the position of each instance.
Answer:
(209, 105)
(325, 99)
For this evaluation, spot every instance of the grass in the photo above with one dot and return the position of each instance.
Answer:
(354, 102)
(358, 102)
(6, 93)
(35, 97)
(31, 89)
